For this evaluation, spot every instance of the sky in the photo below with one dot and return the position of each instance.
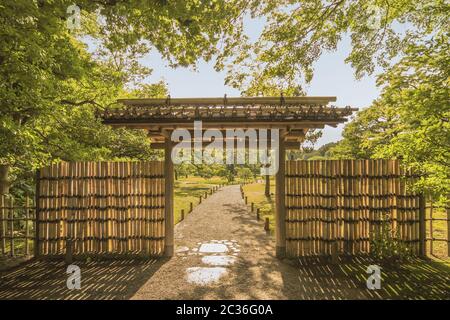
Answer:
(332, 77)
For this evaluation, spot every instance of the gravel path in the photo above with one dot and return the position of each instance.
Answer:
(222, 218)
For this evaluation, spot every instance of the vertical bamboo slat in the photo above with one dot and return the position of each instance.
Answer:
(27, 226)
(431, 227)
(11, 227)
(3, 222)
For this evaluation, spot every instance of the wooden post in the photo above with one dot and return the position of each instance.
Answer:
(191, 207)
(206, 194)
(3, 223)
(168, 194)
(267, 225)
(200, 200)
(252, 207)
(36, 217)
(422, 226)
(447, 205)
(431, 227)
(246, 200)
(27, 225)
(280, 213)
(182, 214)
(257, 213)
(11, 227)
(4, 180)
(267, 186)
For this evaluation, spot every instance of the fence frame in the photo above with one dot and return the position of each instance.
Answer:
(8, 218)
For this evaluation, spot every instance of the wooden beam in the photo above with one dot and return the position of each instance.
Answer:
(219, 123)
(229, 101)
(289, 145)
(296, 134)
(168, 196)
(280, 212)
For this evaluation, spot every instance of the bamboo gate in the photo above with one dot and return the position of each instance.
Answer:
(342, 203)
(101, 208)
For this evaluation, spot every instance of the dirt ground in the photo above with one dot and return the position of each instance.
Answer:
(223, 220)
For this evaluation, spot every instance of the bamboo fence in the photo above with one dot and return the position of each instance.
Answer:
(16, 226)
(101, 208)
(118, 207)
(342, 203)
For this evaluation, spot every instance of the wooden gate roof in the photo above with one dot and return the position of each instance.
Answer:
(227, 112)
(295, 114)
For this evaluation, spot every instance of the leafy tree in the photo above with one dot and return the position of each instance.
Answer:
(410, 120)
(296, 33)
(51, 85)
(245, 174)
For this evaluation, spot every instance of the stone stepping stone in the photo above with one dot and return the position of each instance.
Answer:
(182, 250)
(205, 276)
(222, 261)
(213, 248)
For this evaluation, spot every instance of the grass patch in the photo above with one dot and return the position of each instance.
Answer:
(189, 190)
(255, 193)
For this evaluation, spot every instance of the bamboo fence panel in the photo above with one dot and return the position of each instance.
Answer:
(344, 202)
(101, 208)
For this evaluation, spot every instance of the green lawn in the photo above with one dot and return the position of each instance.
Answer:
(255, 193)
(189, 190)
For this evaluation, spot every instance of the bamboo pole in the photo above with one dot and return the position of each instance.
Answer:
(422, 235)
(37, 215)
(280, 214)
(448, 224)
(11, 227)
(169, 218)
(3, 224)
(431, 227)
(27, 225)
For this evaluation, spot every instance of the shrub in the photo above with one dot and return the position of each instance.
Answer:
(385, 245)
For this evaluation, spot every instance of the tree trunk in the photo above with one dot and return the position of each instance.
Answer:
(4, 182)
(267, 189)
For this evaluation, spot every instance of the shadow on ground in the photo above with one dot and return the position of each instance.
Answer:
(316, 278)
(257, 274)
(107, 279)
